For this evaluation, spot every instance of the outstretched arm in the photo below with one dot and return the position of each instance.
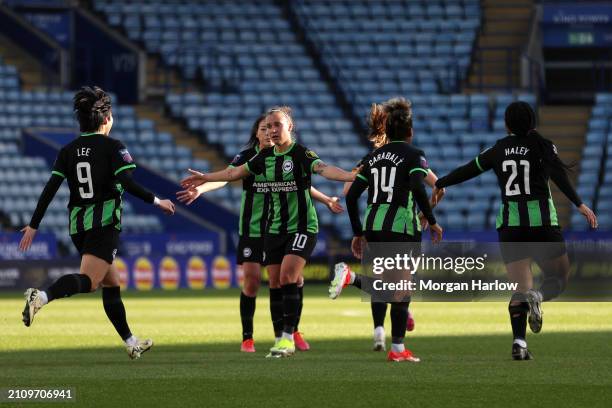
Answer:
(189, 195)
(135, 189)
(29, 231)
(438, 194)
(559, 177)
(420, 196)
(460, 174)
(332, 172)
(333, 203)
(197, 179)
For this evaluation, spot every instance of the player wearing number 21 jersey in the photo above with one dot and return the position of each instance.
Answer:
(527, 221)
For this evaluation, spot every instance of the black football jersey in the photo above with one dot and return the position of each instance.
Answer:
(391, 205)
(523, 181)
(91, 163)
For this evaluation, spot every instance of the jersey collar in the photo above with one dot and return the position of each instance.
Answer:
(284, 153)
(89, 134)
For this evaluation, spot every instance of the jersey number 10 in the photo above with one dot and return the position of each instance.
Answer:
(83, 170)
(512, 165)
(386, 186)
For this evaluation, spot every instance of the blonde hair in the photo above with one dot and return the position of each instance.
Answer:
(285, 110)
(376, 123)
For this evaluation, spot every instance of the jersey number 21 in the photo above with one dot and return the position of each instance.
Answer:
(513, 189)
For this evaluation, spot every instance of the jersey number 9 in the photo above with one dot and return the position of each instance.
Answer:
(84, 176)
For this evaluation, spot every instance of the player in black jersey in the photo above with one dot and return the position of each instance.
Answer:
(523, 162)
(292, 223)
(98, 170)
(253, 211)
(378, 138)
(393, 175)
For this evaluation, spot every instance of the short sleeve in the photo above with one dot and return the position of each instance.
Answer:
(257, 165)
(239, 159)
(120, 158)
(310, 159)
(364, 173)
(361, 162)
(420, 164)
(60, 165)
(486, 159)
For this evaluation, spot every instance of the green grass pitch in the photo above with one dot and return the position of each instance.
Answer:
(464, 347)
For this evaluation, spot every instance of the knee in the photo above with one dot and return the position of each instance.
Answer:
(251, 287)
(95, 283)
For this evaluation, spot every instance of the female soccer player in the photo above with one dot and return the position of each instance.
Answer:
(393, 175)
(292, 225)
(524, 162)
(98, 170)
(378, 138)
(253, 211)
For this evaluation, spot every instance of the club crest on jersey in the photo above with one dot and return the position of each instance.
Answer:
(312, 155)
(287, 166)
(125, 155)
(247, 252)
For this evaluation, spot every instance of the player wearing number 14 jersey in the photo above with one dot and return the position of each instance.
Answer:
(527, 222)
(97, 169)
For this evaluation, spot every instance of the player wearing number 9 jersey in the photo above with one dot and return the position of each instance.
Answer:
(523, 162)
(98, 169)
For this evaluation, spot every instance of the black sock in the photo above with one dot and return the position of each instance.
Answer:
(115, 311)
(299, 313)
(379, 312)
(276, 310)
(291, 303)
(399, 316)
(357, 281)
(518, 319)
(69, 285)
(552, 287)
(247, 311)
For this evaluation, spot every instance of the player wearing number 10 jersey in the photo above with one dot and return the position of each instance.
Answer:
(527, 222)
(98, 169)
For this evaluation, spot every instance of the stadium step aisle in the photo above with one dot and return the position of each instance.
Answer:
(30, 72)
(164, 123)
(566, 126)
(499, 44)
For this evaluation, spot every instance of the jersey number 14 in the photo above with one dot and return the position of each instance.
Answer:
(386, 186)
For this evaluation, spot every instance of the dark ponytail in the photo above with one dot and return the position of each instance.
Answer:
(253, 141)
(91, 106)
(520, 120)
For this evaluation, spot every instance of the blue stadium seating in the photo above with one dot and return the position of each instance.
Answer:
(21, 109)
(595, 177)
(367, 48)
